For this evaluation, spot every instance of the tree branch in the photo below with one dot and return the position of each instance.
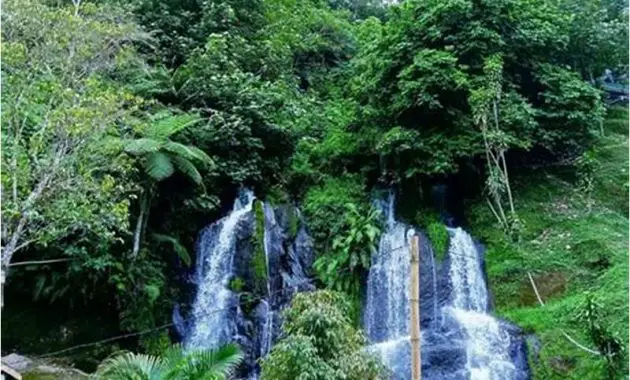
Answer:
(38, 262)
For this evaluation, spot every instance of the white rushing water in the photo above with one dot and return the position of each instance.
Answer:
(387, 308)
(267, 328)
(487, 345)
(212, 325)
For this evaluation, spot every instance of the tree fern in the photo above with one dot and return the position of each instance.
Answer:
(142, 146)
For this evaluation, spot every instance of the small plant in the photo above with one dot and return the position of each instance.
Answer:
(293, 222)
(436, 231)
(237, 285)
(608, 343)
(174, 363)
(585, 169)
(439, 238)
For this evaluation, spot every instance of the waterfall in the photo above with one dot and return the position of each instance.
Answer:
(469, 343)
(225, 250)
(487, 344)
(386, 314)
(212, 325)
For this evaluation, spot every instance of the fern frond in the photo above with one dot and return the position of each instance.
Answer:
(142, 146)
(188, 168)
(168, 126)
(213, 364)
(180, 250)
(131, 366)
(200, 155)
(158, 166)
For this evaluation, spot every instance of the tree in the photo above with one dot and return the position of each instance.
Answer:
(175, 364)
(319, 342)
(58, 105)
(485, 103)
(160, 157)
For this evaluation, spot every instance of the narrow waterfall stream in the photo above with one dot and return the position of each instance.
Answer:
(487, 345)
(459, 339)
(212, 324)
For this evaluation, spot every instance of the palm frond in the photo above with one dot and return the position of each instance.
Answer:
(130, 366)
(142, 146)
(188, 168)
(168, 126)
(158, 166)
(180, 250)
(213, 364)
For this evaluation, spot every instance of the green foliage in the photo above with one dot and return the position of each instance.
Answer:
(436, 231)
(320, 342)
(56, 112)
(179, 249)
(259, 259)
(160, 156)
(174, 363)
(236, 285)
(324, 203)
(608, 344)
(294, 222)
(346, 265)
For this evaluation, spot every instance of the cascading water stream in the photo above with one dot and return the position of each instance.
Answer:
(468, 343)
(267, 328)
(487, 345)
(386, 315)
(212, 325)
(225, 276)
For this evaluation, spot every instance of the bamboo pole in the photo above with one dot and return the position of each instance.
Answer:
(414, 300)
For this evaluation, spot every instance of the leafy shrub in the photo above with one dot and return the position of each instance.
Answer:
(320, 342)
(345, 266)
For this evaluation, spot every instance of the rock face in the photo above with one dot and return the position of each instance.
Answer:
(34, 368)
(243, 283)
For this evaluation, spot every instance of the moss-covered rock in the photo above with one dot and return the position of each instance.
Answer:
(259, 260)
